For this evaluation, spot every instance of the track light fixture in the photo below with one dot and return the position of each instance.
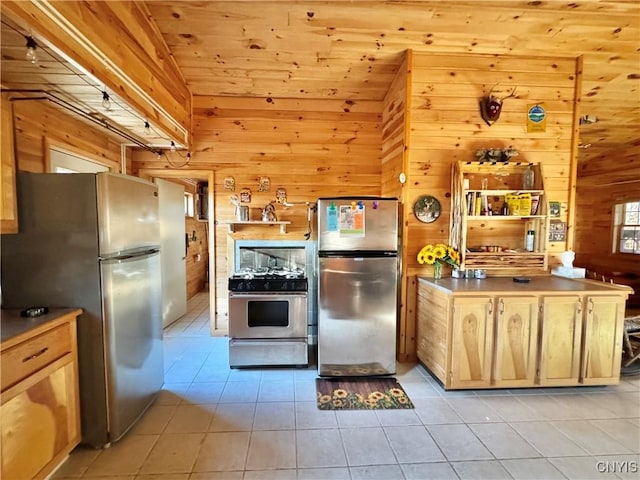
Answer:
(147, 128)
(173, 146)
(106, 101)
(31, 54)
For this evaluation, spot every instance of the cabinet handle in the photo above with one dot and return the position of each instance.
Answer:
(490, 308)
(501, 307)
(591, 306)
(35, 355)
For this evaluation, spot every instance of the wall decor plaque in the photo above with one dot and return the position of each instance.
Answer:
(281, 196)
(230, 184)
(264, 185)
(427, 208)
(245, 196)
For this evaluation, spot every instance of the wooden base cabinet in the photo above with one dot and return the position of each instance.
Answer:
(472, 342)
(602, 346)
(523, 338)
(561, 334)
(516, 347)
(40, 404)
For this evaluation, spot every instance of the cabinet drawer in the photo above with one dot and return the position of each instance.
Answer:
(22, 360)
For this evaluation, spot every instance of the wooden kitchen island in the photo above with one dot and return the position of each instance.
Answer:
(495, 333)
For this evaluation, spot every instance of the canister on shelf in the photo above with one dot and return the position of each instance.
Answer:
(531, 236)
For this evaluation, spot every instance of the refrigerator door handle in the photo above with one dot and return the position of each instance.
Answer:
(130, 256)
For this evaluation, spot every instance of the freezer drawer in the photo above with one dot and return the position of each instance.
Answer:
(357, 316)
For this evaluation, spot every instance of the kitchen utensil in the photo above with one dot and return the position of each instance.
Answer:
(269, 213)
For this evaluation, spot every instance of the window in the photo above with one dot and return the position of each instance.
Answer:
(188, 204)
(627, 228)
(65, 162)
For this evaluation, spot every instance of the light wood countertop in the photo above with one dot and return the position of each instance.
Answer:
(13, 327)
(546, 284)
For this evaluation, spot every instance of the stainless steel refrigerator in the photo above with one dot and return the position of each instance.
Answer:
(91, 241)
(357, 286)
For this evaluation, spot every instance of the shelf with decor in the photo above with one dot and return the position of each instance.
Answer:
(232, 224)
(499, 215)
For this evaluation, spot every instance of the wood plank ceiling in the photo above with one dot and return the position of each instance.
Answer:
(351, 50)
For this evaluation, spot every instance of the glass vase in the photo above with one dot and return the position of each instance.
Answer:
(437, 271)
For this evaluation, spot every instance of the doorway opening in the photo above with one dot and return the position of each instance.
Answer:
(197, 232)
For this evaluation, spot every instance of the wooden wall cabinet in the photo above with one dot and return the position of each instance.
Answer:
(39, 403)
(487, 236)
(501, 340)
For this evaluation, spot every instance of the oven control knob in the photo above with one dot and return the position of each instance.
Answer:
(266, 285)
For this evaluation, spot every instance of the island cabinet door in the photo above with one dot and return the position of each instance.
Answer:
(516, 350)
(602, 351)
(472, 343)
(560, 344)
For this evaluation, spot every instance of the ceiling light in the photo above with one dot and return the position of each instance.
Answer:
(173, 146)
(31, 54)
(106, 101)
(147, 128)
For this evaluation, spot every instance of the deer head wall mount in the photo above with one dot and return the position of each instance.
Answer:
(491, 106)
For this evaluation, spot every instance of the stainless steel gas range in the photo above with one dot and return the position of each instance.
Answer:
(269, 306)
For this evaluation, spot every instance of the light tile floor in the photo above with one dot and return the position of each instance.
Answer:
(211, 422)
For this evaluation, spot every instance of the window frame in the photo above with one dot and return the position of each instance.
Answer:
(189, 205)
(620, 210)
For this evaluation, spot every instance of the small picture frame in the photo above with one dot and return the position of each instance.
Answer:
(245, 196)
(557, 231)
(554, 209)
(264, 184)
(281, 196)
(230, 184)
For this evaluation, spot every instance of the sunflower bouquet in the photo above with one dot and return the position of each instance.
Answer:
(438, 255)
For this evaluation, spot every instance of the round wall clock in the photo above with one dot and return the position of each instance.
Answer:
(427, 209)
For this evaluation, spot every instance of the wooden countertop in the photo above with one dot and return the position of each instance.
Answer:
(13, 327)
(547, 284)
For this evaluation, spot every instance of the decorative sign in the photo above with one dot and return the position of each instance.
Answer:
(427, 209)
(281, 196)
(351, 220)
(245, 196)
(536, 118)
(554, 209)
(230, 184)
(265, 184)
(557, 231)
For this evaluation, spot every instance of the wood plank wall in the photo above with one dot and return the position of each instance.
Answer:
(602, 183)
(38, 124)
(311, 148)
(445, 127)
(395, 143)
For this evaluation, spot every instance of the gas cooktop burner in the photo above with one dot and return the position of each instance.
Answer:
(268, 280)
(269, 273)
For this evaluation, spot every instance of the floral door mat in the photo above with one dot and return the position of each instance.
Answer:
(364, 393)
